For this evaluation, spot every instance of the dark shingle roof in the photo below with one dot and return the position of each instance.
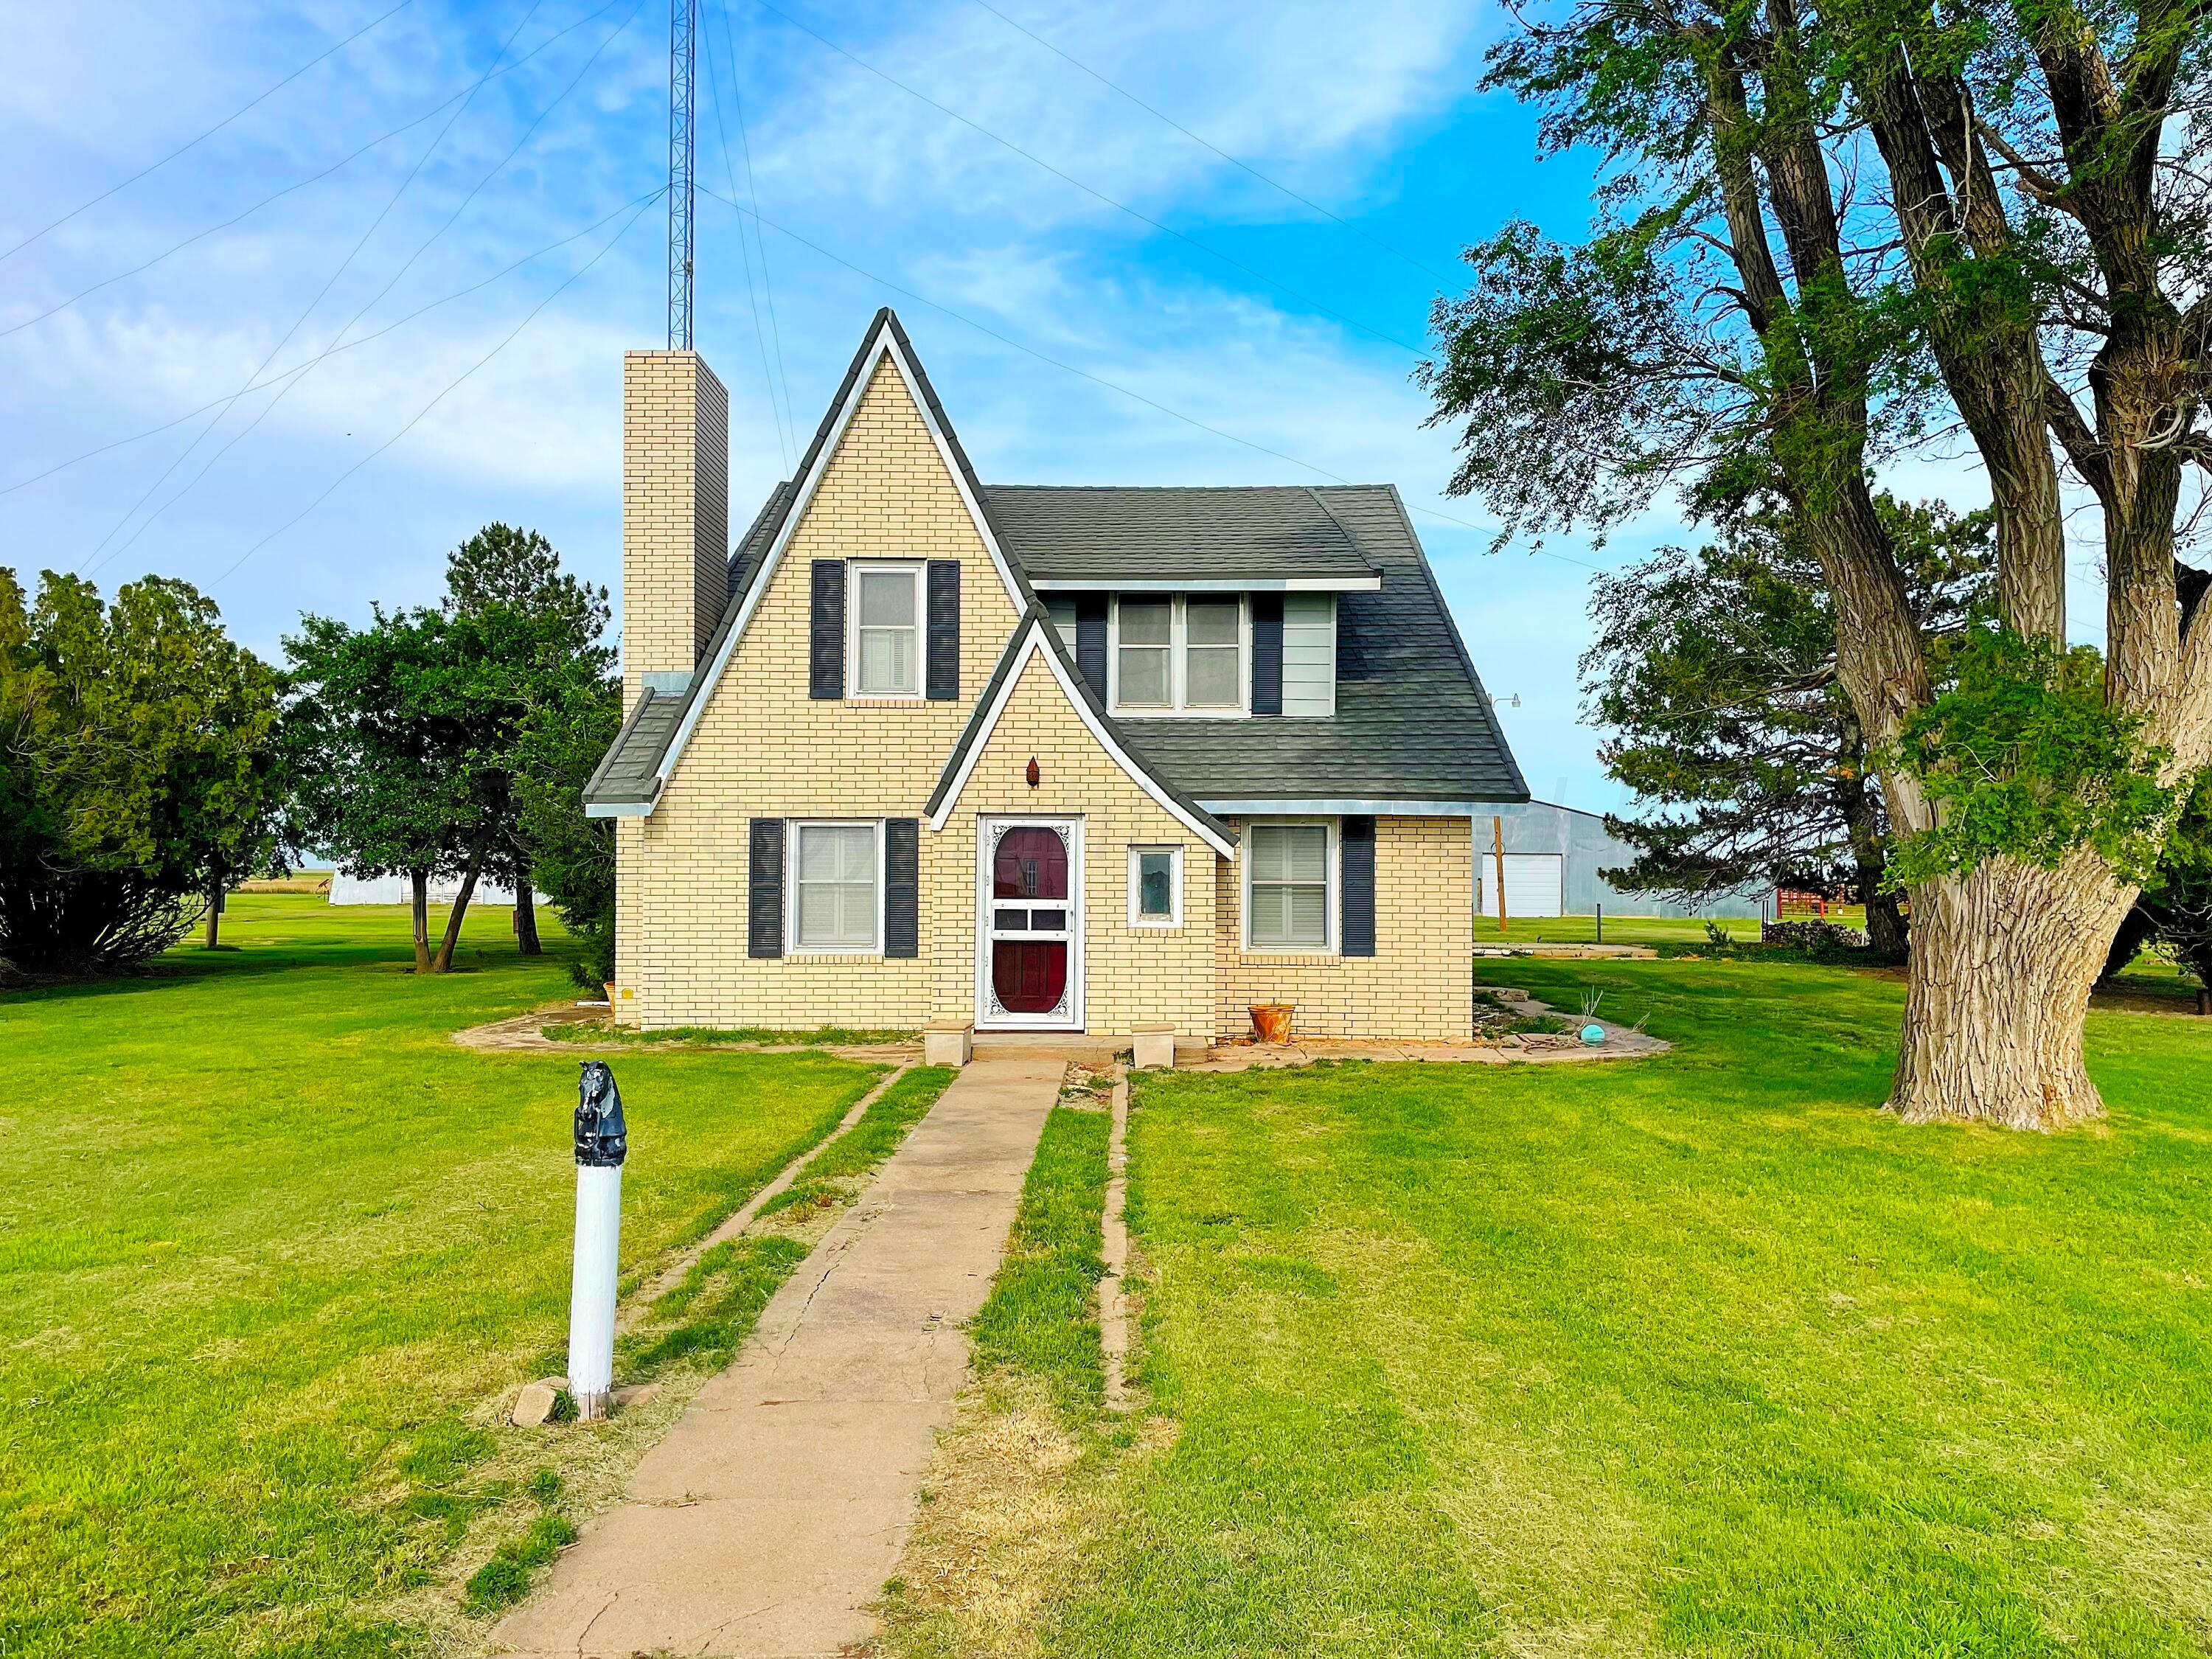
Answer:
(1061, 533)
(628, 775)
(1412, 722)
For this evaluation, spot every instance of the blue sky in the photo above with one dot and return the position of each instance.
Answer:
(347, 484)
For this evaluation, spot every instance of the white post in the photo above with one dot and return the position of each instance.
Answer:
(602, 1144)
(591, 1300)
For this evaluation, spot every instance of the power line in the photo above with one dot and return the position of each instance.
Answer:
(430, 114)
(1235, 162)
(298, 370)
(451, 386)
(393, 281)
(752, 194)
(344, 264)
(1088, 189)
(155, 167)
(1111, 385)
(745, 259)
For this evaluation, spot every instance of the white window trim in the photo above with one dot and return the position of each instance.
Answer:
(1332, 899)
(1178, 645)
(920, 570)
(793, 831)
(1174, 917)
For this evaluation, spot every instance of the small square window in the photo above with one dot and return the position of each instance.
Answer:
(1155, 886)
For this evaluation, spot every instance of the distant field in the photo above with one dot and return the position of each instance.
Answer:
(1618, 930)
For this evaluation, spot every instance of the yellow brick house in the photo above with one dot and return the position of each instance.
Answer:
(922, 752)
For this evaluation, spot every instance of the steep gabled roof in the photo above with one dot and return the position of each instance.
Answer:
(1412, 722)
(756, 558)
(1036, 636)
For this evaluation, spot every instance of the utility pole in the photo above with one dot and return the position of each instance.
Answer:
(683, 64)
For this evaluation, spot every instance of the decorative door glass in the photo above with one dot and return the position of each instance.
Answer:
(1032, 920)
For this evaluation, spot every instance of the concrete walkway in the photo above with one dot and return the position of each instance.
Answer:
(779, 1503)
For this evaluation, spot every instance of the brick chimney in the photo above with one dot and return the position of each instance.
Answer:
(675, 517)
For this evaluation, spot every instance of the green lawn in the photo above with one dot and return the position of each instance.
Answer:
(273, 1249)
(1701, 1355)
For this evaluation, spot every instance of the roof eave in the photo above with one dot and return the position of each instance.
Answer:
(1107, 583)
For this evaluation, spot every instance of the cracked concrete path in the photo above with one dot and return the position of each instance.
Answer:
(769, 1518)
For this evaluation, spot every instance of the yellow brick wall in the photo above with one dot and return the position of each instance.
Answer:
(676, 512)
(1419, 983)
(763, 748)
(1132, 975)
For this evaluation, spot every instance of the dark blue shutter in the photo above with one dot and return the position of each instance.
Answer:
(1091, 639)
(902, 887)
(764, 890)
(1266, 653)
(825, 645)
(1356, 855)
(943, 630)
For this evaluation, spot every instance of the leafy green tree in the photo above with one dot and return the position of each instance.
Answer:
(412, 730)
(377, 781)
(509, 582)
(1829, 236)
(572, 856)
(1716, 673)
(141, 755)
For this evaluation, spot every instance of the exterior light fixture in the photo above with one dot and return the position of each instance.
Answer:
(1035, 776)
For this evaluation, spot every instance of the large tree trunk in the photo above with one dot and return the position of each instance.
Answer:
(445, 962)
(215, 911)
(1998, 987)
(526, 912)
(418, 883)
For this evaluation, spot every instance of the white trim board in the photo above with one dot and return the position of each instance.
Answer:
(1033, 644)
(1337, 807)
(1206, 585)
(885, 344)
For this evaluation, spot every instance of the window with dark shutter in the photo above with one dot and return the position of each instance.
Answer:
(943, 629)
(764, 887)
(1356, 853)
(825, 645)
(1266, 653)
(1091, 641)
(902, 887)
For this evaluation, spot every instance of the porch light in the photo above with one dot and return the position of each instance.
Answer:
(1035, 775)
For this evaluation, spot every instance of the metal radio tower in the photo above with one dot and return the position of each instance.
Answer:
(682, 63)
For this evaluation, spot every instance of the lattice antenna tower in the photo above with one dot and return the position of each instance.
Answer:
(682, 79)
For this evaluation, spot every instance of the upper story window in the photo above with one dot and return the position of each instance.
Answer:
(885, 601)
(1179, 654)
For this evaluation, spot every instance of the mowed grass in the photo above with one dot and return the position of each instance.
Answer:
(1700, 1355)
(272, 1247)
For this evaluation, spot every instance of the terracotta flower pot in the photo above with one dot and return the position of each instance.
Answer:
(1271, 1021)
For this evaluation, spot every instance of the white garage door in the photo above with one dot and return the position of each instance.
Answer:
(1531, 884)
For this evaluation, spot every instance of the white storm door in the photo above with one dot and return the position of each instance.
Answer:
(1028, 944)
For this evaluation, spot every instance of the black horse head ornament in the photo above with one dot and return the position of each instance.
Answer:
(602, 1137)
